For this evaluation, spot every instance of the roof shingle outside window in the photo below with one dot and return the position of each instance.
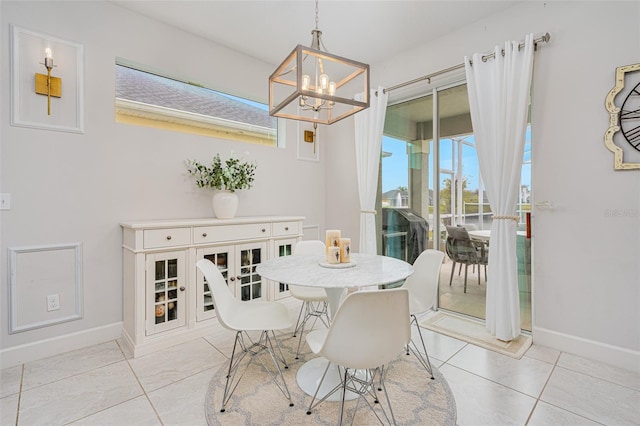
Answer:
(150, 90)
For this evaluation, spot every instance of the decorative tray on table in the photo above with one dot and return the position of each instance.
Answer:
(337, 265)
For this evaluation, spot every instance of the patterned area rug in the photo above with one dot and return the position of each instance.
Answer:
(415, 398)
(475, 333)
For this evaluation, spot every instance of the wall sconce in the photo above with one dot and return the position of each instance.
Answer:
(47, 85)
(310, 136)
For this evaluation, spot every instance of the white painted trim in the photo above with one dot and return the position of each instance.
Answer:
(18, 75)
(17, 355)
(311, 228)
(14, 327)
(604, 352)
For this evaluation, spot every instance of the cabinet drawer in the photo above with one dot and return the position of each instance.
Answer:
(215, 234)
(286, 228)
(170, 237)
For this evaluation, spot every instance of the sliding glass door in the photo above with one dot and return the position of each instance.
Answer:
(441, 184)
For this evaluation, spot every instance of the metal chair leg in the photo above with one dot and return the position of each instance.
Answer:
(310, 311)
(240, 350)
(302, 308)
(424, 360)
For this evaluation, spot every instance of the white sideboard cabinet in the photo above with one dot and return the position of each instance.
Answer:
(166, 300)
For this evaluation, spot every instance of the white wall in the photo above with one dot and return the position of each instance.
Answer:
(77, 187)
(586, 269)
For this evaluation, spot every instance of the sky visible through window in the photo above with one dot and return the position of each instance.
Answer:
(395, 170)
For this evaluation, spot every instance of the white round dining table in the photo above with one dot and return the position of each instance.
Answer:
(307, 270)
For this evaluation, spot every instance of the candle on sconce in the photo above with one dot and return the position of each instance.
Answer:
(48, 58)
(332, 238)
(345, 250)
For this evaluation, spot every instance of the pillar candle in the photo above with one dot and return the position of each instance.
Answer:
(333, 238)
(345, 250)
(333, 255)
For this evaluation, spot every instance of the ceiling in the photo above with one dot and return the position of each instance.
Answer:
(366, 31)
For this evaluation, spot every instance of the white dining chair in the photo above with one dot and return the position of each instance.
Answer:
(423, 290)
(243, 317)
(314, 299)
(370, 329)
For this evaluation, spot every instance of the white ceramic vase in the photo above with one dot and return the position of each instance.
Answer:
(225, 204)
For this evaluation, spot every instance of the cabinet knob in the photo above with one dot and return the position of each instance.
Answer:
(168, 237)
(204, 235)
(286, 228)
(239, 277)
(182, 288)
(264, 230)
(232, 279)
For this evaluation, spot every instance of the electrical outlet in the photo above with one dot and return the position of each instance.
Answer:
(53, 302)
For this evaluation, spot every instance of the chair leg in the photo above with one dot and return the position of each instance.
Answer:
(240, 350)
(466, 268)
(351, 381)
(453, 269)
(282, 385)
(424, 360)
(313, 403)
(386, 394)
(365, 387)
(300, 325)
(302, 308)
(311, 311)
(232, 370)
(344, 394)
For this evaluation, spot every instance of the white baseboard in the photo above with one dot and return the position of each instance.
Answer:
(609, 354)
(17, 355)
(166, 339)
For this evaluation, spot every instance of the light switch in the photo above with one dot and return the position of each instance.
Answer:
(5, 201)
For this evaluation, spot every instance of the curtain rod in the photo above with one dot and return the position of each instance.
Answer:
(545, 38)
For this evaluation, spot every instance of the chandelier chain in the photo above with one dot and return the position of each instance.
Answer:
(316, 14)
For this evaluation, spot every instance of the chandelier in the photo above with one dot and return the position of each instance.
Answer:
(314, 85)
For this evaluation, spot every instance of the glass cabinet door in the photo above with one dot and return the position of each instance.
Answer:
(223, 258)
(166, 291)
(282, 248)
(248, 283)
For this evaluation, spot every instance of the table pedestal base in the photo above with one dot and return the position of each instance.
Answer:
(310, 374)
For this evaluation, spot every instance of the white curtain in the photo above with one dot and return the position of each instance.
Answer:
(499, 90)
(369, 125)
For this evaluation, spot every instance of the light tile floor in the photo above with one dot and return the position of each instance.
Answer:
(101, 385)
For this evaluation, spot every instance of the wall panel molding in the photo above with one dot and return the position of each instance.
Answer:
(38, 271)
